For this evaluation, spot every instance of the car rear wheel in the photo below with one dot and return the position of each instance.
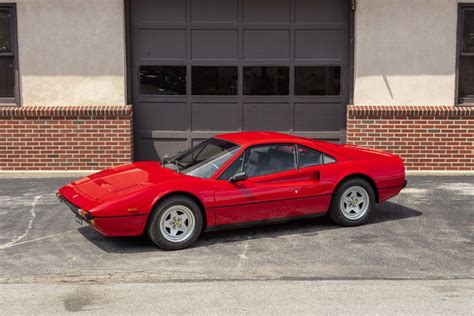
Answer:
(352, 203)
(176, 223)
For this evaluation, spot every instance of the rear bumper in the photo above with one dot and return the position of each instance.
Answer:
(114, 226)
(387, 193)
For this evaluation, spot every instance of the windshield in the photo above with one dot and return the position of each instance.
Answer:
(204, 159)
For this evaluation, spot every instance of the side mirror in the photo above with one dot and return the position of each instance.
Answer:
(165, 157)
(238, 177)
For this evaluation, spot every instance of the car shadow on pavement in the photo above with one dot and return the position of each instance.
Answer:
(385, 212)
(138, 244)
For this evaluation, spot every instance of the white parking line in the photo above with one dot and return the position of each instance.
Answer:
(36, 239)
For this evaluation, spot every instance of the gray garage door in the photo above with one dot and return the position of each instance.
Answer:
(202, 67)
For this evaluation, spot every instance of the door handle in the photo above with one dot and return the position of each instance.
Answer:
(317, 175)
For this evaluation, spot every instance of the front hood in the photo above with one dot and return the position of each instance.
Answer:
(126, 179)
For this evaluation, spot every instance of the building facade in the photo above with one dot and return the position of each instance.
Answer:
(88, 84)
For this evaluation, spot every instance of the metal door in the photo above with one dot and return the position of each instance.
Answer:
(202, 67)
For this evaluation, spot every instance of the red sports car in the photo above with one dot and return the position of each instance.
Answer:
(234, 179)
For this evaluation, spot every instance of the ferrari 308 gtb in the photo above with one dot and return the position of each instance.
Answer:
(235, 179)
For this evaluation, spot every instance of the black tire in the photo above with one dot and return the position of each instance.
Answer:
(156, 234)
(336, 211)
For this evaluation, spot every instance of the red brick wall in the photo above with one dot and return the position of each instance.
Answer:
(65, 137)
(426, 137)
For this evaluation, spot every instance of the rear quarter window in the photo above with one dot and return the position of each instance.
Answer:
(310, 157)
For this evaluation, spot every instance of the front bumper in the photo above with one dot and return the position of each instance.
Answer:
(76, 210)
(113, 226)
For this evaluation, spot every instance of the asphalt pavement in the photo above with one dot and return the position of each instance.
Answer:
(418, 245)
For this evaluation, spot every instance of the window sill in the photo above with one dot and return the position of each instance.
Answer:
(466, 102)
(9, 101)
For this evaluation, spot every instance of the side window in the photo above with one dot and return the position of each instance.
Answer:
(310, 157)
(234, 168)
(262, 160)
(328, 159)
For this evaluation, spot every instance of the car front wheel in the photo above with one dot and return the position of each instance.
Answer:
(176, 223)
(352, 203)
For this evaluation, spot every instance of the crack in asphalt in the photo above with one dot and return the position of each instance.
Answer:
(243, 255)
(15, 240)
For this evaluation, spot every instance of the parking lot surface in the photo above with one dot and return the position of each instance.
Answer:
(425, 234)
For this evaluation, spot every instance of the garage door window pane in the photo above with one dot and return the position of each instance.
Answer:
(5, 31)
(266, 80)
(214, 80)
(320, 80)
(468, 31)
(163, 80)
(7, 77)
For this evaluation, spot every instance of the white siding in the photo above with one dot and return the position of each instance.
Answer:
(405, 52)
(71, 52)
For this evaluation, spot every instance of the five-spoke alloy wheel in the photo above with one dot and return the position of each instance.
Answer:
(352, 203)
(176, 223)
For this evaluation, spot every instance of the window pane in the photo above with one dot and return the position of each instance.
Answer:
(269, 159)
(232, 169)
(266, 80)
(204, 150)
(321, 80)
(7, 77)
(163, 80)
(208, 168)
(205, 159)
(327, 159)
(5, 31)
(468, 31)
(308, 157)
(466, 76)
(214, 80)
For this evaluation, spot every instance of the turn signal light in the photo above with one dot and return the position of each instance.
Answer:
(85, 214)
